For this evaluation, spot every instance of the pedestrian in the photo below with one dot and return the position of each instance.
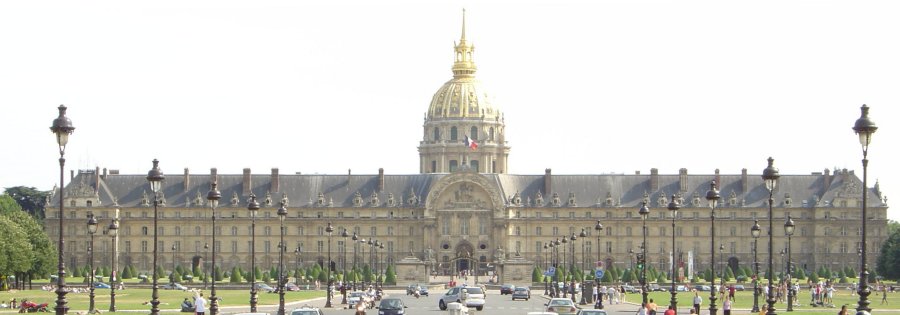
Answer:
(697, 301)
(726, 307)
(884, 294)
(642, 310)
(843, 310)
(199, 304)
(669, 311)
(651, 307)
(731, 290)
(595, 295)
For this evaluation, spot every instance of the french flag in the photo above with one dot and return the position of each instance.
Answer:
(470, 143)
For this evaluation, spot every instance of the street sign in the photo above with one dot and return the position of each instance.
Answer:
(550, 271)
(598, 274)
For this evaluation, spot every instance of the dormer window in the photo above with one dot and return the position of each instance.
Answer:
(357, 200)
(555, 200)
(89, 204)
(572, 202)
(320, 201)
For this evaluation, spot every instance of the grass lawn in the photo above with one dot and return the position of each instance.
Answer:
(744, 300)
(132, 299)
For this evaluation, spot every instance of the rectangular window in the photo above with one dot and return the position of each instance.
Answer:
(464, 226)
(538, 231)
(390, 231)
(587, 214)
(662, 231)
(320, 246)
(127, 246)
(538, 214)
(234, 248)
(453, 165)
(733, 231)
(696, 231)
(518, 231)
(411, 231)
(518, 246)
(143, 246)
(555, 231)
(373, 231)
(571, 215)
(482, 227)
(609, 247)
(445, 227)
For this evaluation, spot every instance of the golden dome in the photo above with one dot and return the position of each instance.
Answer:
(463, 96)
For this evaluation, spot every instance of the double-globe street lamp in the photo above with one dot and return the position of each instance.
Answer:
(572, 272)
(556, 272)
(62, 127)
(344, 235)
(172, 274)
(789, 230)
(583, 234)
(644, 212)
(599, 304)
(755, 231)
(547, 268)
(213, 197)
(673, 207)
(565, 243)
(712, 197)
(253, 207)
(328, 229)
(155, 177)
(282, 214)
(770, 177)
(864, 128)
(92, 229)
(113, 232)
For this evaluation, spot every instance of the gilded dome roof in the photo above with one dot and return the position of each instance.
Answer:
(463, 96)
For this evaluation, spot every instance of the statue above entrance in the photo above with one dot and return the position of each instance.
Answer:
(465, 198)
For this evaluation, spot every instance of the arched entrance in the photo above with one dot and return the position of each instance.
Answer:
(465, 263)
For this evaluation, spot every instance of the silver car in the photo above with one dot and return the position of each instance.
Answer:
(475, 297)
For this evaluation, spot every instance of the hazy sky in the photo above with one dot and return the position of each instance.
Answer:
(586, 87)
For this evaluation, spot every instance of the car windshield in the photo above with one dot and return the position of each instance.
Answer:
(522, 289)
(356, 294)
(560, 303)
(592, 312)
(304, 312)
(390, 304)
(474, 290)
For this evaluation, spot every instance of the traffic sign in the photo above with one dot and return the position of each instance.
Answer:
(598, 274)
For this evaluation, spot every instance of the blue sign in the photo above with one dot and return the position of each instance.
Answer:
(598, 274)
(551, 271)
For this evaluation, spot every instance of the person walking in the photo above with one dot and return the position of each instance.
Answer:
(726, 307)
(669, 311)
(843, 310)
(697, 301)
(642, 310)
(199, 304)
(651, 307)
(884, 294)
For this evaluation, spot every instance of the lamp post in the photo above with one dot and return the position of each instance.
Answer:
(644, 211)
(583, 234)
(92, 228)
(712, 197)
(362, 258)
(572, 267)
(213, 196)
(673, 209)
(155, 177)
(789, 230)
(172, 275)
(599, 229)
(344, 235)
(328, 229)
(253, 207)
(770, 177)
(383, 268)
(297, 263)
(631, 258)
(722, 261)
(565, 242)
(556, 245)
(206, 272)
(62, 127)
(113, 232)
(282, 214)
(865, 128)
(547, 268)
(355, 239)
(755, 231)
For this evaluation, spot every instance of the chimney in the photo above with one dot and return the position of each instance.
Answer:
(97, 179)
(827, 179)
(682, 179)
(71, 176)
(637, 172)
(246, 183)
(380, 179)
(213, 175)
(104, 173)
(187, 179)
(548, 182)
(113, 172)
(275, 185)
(654, 179)
(718, 179)
(744, 183)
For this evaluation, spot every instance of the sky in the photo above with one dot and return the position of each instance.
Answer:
(586, 87)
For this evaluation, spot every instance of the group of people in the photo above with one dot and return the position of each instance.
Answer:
(198, 306)
(612, 294)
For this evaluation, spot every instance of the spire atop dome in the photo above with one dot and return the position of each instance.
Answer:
(463, 63)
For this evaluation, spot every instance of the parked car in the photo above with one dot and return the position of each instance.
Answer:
(702, 288)
(630, 288)
(100, 285)
(521, 293)
(391, 306)
(586, 311)
(307, 310)
(290, 286)
(739, 287)
(174, 286)
(262, 287)
(506, 289)
(681, 288)
(653, 287)
(562, 306)
(475, 299)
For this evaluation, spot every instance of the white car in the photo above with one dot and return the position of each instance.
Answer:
(475, 297)
(561, 306)
(354, 297)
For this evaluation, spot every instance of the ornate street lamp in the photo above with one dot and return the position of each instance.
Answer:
(344, 235)
(644, 212)
(381, 271)
(631, 259)
(865, 128)
(583, 234)
(712, 197)
(282, 214)
(253, 207)
(572, 271)
(770, 177)
(362, 257)
(673, 209)
(113, 232)
(206, 272)
(565, 242)
(355, 239)
(92, 228)
(599, 229)
(755, 231)
(789, 230)
(722, 261)
(547, 268)
(556, 245)
(213, 197)
(172, 275)
(62, 127)
(155, 177)
(328, 229)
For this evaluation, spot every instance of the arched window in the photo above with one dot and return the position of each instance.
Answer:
(144, 230)
(453, 133)
(90, 203)
(491, 135)
(473, 133)
(437, 134)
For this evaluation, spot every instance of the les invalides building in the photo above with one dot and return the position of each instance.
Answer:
(466, 212)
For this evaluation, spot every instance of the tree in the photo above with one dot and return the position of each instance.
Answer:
(126, 273)
(889, 260)
(537, 275)
(814, 277)
(390, 277)
(235, 275)
(29, 199)
(218, 276)
(15, 251)
(42, 257)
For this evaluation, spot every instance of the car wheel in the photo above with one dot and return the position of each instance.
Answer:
(479, 307)
(441, 305)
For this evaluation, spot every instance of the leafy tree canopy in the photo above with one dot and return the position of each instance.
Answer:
(889, 259)
(29, 199)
